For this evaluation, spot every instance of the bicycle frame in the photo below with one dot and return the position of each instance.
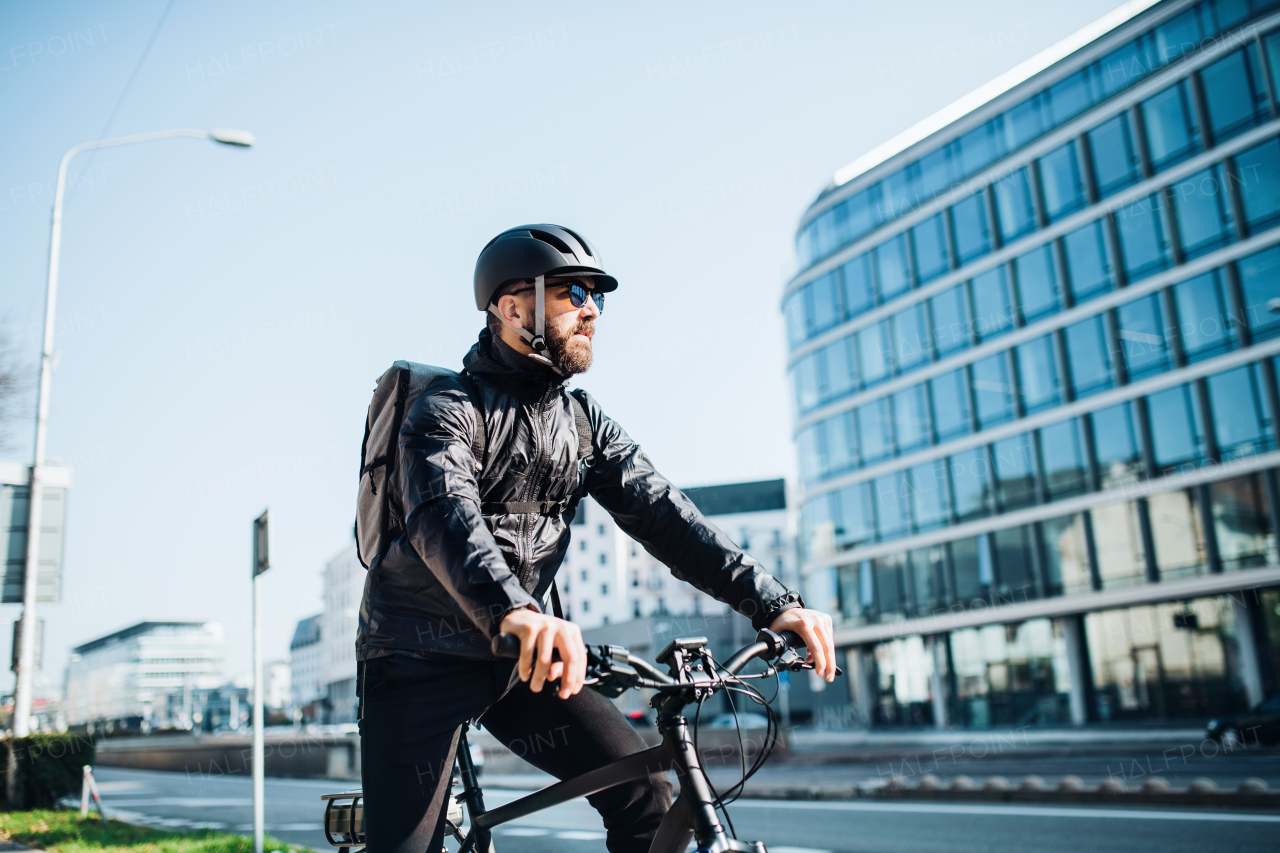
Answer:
(692, 815)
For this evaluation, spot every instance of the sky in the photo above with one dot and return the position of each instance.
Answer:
(223, 313)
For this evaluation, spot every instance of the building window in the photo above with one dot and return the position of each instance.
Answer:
(930, 503)
(582, 546)
(910, 338)
(1062, 182)
(604, 589)
(586, 605)
(910, 419)
(600, 529)
(892, 505)
(1172, 134)
(992, 390)
(1242, 522)
(1142, 239)
(1234, 93)
(875, 425)
(604, 559)
(1088, 271)
(851, 511)
(1202, 212)
(1115, 159)
(1038, 374)
(874, 353)
(970, 474)
(859, 289)
(1015, 472)
(992, 308)
(951, 410)
(1062, 459)
(1121, 560)
(972, 231)
(1259, 286)
(1115, 441)
(1066, 556)
(1176, 436)
(892, 267)
(1014, 208)
(952, 330)
(1088, 357)
(1205, 324)
(1037, 284)
(1258, 174)
(930, 241)
(824, 301)
(1240, 423)
(1144, 332)
(584, 575)
(635, 609)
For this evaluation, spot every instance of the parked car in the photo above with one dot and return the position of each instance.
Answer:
(744, 721)
(638, 719)
(1260, 724)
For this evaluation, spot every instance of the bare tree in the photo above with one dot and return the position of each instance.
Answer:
(11, 386)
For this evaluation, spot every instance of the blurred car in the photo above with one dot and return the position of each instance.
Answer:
(638, 719)
(744, 721)
(1260, 724)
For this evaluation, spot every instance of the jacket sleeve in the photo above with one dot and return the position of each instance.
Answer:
(662, 519)
(440, 505)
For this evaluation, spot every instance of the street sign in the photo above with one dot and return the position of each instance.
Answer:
(17, 644)
(261, 542)
(15, 491)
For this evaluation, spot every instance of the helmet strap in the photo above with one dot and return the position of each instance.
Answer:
(537, 340)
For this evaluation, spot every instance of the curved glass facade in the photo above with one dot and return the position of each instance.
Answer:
(1053, 372)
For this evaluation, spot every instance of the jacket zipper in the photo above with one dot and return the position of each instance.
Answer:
(542, 461)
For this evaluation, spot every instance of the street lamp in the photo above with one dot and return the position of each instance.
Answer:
(27, 636)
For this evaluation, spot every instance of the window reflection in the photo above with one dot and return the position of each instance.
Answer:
(970, 474)
(951, 410)
(1066, 555)
(1178, 533)
(992, 307)
(1038, 374)
(1062, 459)
(1015, 472)
(1142, 239)
(1240, 423)
(972, 231)
(1259, 187)
(1088, 357)
(930, 241)
(1242, 523)
(1235, 94)
(1009, 675)
(1176, 438)
(1115, 440)
(859, 290)
(1088, 271)
(1144, 330)
(1062, 182)
(1115, 157)
(952, 330)
(1119, 544)
(911, 419)
(1038, 294)
(893, 267)
(910, 338)
(1259, 285)
(1202, 212)
(1014, 207)
(992, 391)
(1204, 322)
(1172, 133)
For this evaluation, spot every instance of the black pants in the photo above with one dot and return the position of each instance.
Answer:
(412, 713)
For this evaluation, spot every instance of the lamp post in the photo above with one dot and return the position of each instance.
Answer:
(27, 637)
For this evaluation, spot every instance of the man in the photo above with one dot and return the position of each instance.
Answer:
(479, 541)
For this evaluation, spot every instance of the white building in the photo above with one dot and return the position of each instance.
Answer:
(279, 679)
(343, 589)
(607, 577)
(118, 678)
(306, 665)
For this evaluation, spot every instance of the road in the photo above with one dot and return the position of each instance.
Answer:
(293, 810)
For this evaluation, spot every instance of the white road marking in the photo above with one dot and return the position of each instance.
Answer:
(773, 848)
(523, 831)
(580, 835)
(189, 802)
(1010, 811)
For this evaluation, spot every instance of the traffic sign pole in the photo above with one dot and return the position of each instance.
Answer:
(261, 562)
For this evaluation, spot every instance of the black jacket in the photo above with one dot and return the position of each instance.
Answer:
(449, 578)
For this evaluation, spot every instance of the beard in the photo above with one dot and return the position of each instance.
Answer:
(571, 355)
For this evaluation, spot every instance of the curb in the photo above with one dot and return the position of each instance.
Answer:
(1252, 793)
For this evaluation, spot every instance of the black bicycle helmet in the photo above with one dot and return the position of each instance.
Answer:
(529, 251)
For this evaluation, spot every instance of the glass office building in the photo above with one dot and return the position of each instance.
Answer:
(1033, 349)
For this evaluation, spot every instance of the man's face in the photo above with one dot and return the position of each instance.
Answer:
(568, 329)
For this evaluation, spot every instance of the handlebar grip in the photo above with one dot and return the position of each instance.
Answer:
(506, 646)
(793, 639)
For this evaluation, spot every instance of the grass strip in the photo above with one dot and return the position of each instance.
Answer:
(67, 832)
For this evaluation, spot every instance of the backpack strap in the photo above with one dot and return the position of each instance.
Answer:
(586, 449)
(479, 441)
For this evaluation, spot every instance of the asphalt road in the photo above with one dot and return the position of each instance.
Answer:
(293, 811)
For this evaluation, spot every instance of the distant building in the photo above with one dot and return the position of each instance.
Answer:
(119, 680)
(279, 679)
(1033, 354)
(306, 669)
(343, 589)
(608, 578)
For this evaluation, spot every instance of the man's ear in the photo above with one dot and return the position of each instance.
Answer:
(512, 310)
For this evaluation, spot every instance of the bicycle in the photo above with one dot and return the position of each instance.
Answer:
(692, 677)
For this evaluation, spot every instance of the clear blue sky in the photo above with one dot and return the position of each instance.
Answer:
(223, 313)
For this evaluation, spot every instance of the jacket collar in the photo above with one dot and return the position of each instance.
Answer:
(492, 358)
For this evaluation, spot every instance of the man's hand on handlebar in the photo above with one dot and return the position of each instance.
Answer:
(816, 631)
(539, 636)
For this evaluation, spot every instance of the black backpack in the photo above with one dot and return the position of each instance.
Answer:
(398, 389)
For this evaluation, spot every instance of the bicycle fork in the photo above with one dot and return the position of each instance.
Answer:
(694, 811)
